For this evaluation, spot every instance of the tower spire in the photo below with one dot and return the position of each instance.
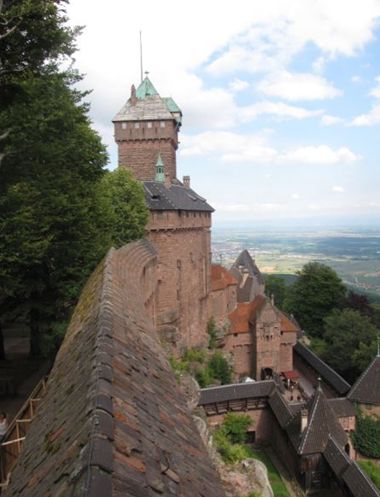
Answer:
(141, 58)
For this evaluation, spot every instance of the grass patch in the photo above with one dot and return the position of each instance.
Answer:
(372, 470)
(278, 486)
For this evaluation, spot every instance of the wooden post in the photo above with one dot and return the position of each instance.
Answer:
(18, 437)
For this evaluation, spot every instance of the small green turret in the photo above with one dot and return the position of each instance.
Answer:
(160, 174)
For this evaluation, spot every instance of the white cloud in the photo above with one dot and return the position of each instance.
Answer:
(319, 155)
(297, 86)
(371, 118)
(279, 109)
(337, 188)
(319, 64)
(295, 196)
(238, 85)
(375, 92)
(356, 79)
(239, 148)
(328, 119)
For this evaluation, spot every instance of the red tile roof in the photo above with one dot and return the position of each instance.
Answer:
(287, 325)
(221, 278)
(242, 314)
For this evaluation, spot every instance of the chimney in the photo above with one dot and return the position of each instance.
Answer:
(168, 180)
(186, 181)
(133, 97)
(304, 419)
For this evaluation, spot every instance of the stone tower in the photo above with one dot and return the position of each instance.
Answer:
(146, 132)
(147, 125)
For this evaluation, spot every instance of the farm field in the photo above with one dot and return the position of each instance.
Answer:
(353, 253)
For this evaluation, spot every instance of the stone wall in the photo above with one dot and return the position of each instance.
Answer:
(138, 148)
(267, 341)
(113, 421)
(182, 240)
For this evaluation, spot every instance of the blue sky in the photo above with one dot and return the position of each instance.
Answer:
(281, 99)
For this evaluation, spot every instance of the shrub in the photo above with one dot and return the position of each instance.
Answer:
(366, 437)
(194, 355)
(236, 426)
(230, 453)
(212, 332)
(219, 368)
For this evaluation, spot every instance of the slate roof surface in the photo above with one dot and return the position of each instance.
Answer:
(358, 482)
(322, 422)
(245, 260)
(221, 278)
(342, 407)
(236, 392)
(149, 106)
(366, 390)
(175, 197)
(280, 409)
(336, 456)
(113, 421)
(327, 373)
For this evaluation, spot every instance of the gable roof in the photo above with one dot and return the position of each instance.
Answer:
(288, 325)
(221, 277)
(322, 422)
(327, 373)
(148, 105)
(245, 260)
(243, 313)
(175, 197)
(236, 391)
(366, 390)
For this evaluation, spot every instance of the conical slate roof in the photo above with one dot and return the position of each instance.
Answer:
(366, 390)
(148, 105)
(322, 422)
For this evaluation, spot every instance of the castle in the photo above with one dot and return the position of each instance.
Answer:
(113, 420)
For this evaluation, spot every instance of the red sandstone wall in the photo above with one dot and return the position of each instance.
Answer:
(183, 246)
(221, 303)
(267, 341)
(240, 346)
(139, 147)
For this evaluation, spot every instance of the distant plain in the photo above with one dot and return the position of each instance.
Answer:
(354, 253)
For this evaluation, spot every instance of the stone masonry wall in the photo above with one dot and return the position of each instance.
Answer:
(139, 147)
(183, 246)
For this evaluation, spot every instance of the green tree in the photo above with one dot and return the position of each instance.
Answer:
(350, 342)
(316, 292)
(124, 206)
(32, 32)
(366, 437)
(275, 285)
(220, 369)
(50, 219)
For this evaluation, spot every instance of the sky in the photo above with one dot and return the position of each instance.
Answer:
(280, 99)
